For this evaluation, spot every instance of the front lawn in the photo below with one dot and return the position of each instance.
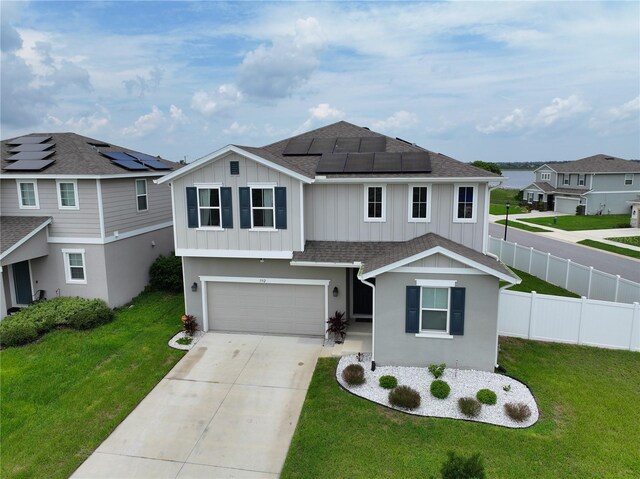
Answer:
(62, 395)
(579, 223)
(632, 240)
(522, 226)
(500, 196)
(533, 283)
(587, 396)
(611, 248)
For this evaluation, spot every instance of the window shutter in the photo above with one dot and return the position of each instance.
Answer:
(457, 311)
(412, 322)
(281, 207)
(192, 207)
(227, 210)
(245, 207)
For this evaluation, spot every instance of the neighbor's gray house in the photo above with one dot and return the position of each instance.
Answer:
(79, 217)
(603, 184)
(275, 239)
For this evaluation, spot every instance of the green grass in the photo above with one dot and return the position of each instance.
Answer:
(579, 223)
(611, 248)
(588, 399)
(62, 395)
(632, 240)
(533, 283)
(500, 196)
(520, 226)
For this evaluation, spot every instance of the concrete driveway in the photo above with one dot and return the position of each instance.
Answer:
(228, 409)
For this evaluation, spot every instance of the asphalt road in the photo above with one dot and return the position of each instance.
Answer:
(607, 262)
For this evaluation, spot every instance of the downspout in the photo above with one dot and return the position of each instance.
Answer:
(373, 321)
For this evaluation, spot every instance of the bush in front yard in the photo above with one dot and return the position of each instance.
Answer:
(460, 467)
(470, 407)
(15, 333)
(440, 389)
(487, 396)
(89, 314)
(517, 411)
(437, 370)
(353, 375)
(165, 274)
(388, 382)
(404, 397)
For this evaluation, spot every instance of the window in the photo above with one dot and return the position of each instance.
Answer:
(580, 180)
(545, 176)
(628, 179)
(464, 204)
(566, 179)
(67, 195)
(141, 195)
(374, 197)
(262, 208)
(419, 203)
(74, 266)
(28, 195)
(434, 310)
(209, 207)
(529, 196)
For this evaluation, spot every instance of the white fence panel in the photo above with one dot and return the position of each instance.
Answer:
(579, 279)
(619, 321)
(627, 291)
(539, 264)
(603, 286)
(509, 322)
(557, 271)
(556, 319)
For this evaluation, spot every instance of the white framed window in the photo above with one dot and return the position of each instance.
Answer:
(374, 203)
(209, 210)
(565, 180)
(419, 203)
(74, 266)
(580, 180)
(142, 203)
(465, 203)
(263, 210)
(628, 179)
(67, 194)
(435, 305)
(545, 176)
(529, 196)
(28, 195)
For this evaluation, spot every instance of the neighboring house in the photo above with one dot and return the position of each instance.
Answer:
(79, 217)
(275, 239)
(603, 184)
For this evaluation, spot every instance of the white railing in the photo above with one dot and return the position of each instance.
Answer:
(569, 320)
(582, 280)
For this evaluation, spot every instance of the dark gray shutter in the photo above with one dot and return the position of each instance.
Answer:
(245, 207)
(192, 207)
(412, 322)
(457, 311)
(227, 210)
(281, 208)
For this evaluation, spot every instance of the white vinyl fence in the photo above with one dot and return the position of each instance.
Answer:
(569, 320)
(583, 280)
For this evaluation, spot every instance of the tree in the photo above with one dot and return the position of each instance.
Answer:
(485, 165)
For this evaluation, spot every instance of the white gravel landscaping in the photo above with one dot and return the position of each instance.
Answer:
(463, 382)
(173, 342)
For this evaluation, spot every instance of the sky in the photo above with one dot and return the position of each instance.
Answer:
(497, 81)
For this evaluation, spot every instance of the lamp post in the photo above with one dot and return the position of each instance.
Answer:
(506, 220)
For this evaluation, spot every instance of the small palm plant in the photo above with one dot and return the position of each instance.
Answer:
(337, 325)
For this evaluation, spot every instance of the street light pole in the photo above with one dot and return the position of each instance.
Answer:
(506, 220)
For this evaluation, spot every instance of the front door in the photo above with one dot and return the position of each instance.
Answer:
(22, 282)
(362, 296)
(550, 203)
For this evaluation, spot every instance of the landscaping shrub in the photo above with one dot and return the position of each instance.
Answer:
(470, 407)
(15, 333)
(487, 396)
(388, 382)
(404, 397)
(189, 324)
(165, 274)
(440, 389)
(90, 313)
(337, 326)
(460, 467)
(437, 370)
(517, 411)
(353, 374)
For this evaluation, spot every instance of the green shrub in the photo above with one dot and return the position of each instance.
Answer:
(460, 467)
(165, 274)
(470, 407)
(15, 333)
(517, 411)
(189, 324)
(437, 370)
(89, 314)
(404, 397)
(487, 396)
(440, 389)
(388, 382)
(184, 340)
(353, 374)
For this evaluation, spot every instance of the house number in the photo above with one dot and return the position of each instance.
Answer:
(262, 280)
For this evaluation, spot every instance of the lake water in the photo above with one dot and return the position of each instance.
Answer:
(518, 178)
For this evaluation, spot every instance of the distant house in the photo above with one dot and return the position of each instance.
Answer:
(79, 217)
(603, 184)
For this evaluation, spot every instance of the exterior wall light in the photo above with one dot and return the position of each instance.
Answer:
(335, 292)
(194, 287)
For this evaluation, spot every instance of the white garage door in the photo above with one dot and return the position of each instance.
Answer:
(266, 308)
(566, 205)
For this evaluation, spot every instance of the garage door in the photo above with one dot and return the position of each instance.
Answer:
(266, 308)
(566, 205)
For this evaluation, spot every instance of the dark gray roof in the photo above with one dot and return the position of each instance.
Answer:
(442, 165)
(378, 254)
(14, 228)
(597, 164)
(547, 188)
(544, 186)
(75, 156)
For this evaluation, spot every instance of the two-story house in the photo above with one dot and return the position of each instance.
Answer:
(275, 239)
(79, 217)
(602, 184)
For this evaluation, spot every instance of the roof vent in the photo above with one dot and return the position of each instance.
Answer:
(609, 158)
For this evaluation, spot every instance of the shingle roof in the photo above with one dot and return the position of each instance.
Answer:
(597, 164)
(75, 156)
(547, 188)
(14, 228)
(544, 186)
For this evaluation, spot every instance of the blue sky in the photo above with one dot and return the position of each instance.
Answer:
(499, 81)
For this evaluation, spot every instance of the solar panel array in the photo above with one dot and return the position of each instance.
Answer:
(323, 146)
(30, 153)
(134, 161)
(376, 162)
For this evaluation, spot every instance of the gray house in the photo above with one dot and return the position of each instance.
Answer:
(603, 184)
(79, 217)
(275, 239)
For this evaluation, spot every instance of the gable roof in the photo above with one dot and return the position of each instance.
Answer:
(18, 229)
(75, 156)
(596, 164)
(548, 188)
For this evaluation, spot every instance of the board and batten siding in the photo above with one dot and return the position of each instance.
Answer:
(67, 223)
(336, 213)
(120, 205)
(236, 238)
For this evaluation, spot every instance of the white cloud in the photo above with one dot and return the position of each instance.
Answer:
(140, 85)
(560, 109)
(177, 114)
(208, 103)
(514, 121)
(318, 114)
(237, 129)
(400, 120)
(626, 110)
(618, 118)
(145, 124)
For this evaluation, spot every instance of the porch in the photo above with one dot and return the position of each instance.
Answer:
(358, 339)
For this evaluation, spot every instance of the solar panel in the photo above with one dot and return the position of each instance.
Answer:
(319, 146)
(373, 144)
(150, 161)
(347, 145)
(28, 139)
(32, 147)
(416, 162)
(30, 155)
(29, 165)
(117, 155)
(331, 163)
(130, 164)
(359, 163)
(387, 163)
(297, 146)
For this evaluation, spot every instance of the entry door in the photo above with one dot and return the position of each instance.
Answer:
(362, 296)
(22, 282)
(550, 203)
